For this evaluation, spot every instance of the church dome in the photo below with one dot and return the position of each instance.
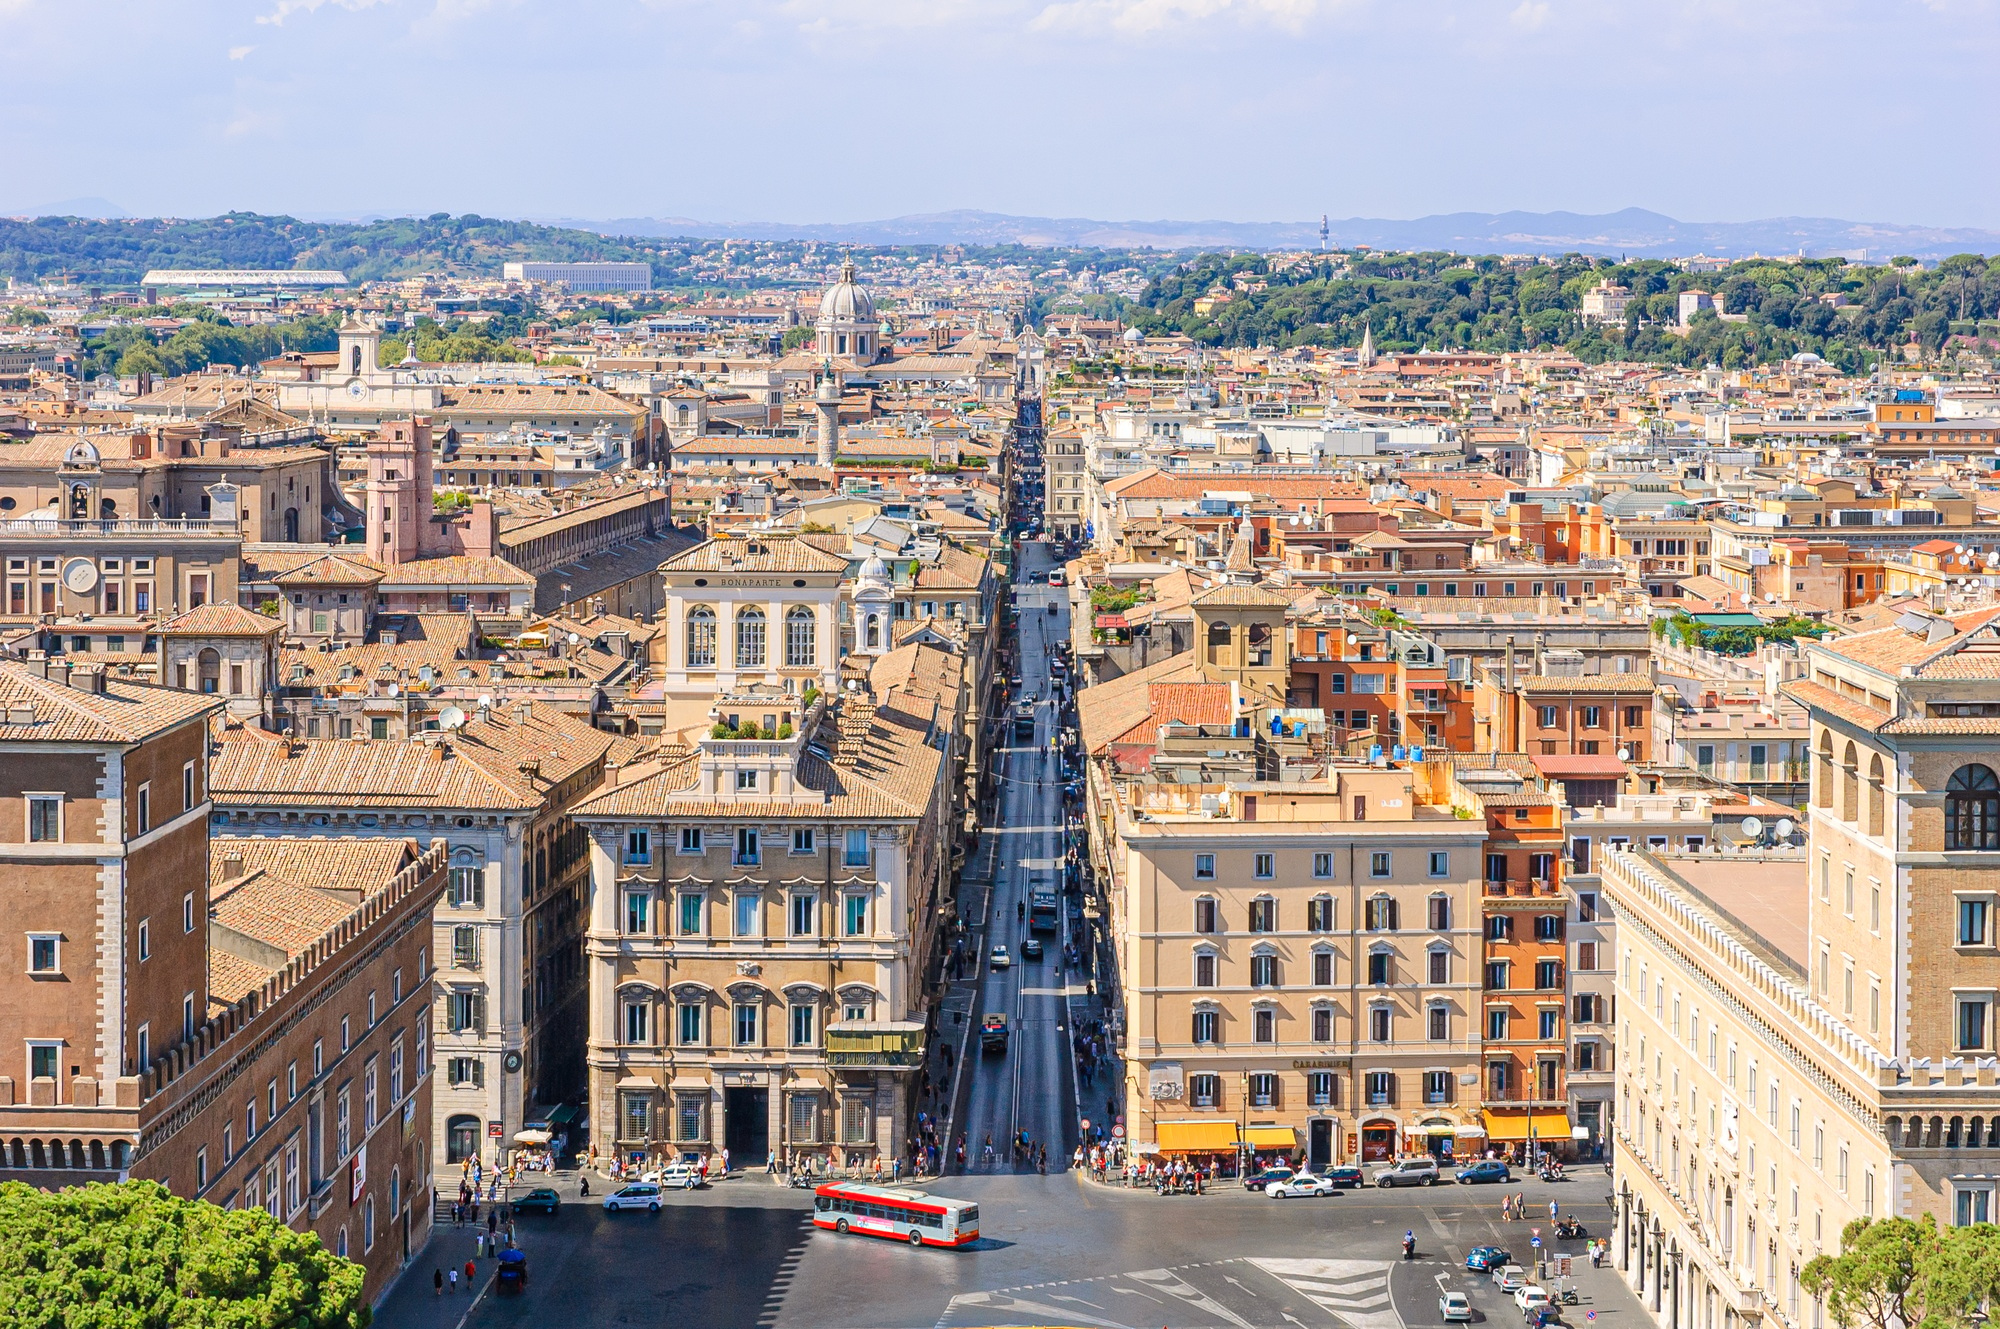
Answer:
(847, 298)
(874, 569)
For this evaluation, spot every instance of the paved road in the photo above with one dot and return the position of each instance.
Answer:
(1032, 1087)
(1056, 1250)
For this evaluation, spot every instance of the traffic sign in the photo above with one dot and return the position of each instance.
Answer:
(1536, 1243)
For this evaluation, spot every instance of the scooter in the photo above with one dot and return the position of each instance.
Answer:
(1409, 1245)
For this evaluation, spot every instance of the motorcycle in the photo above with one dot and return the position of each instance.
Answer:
(1409, 1246)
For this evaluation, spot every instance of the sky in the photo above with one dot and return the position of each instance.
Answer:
(848, 110)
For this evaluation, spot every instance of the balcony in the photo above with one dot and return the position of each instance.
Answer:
(1538, 888)
(897, 1043)
(41, 528)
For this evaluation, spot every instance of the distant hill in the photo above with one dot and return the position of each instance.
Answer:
(1634, 232)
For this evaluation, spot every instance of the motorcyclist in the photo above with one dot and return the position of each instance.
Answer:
(1410, 1245)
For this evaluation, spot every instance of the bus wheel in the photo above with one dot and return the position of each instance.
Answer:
(840, 1226)
(916, 1237)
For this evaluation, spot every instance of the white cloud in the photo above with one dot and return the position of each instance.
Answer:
(238, 52)
(1145, 17)
(287, 8)
(1530, 14)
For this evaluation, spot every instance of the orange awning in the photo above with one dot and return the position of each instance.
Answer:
(1196, 1136)
(1501, 1125)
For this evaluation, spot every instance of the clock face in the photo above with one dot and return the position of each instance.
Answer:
(357, 389)
(80, 575)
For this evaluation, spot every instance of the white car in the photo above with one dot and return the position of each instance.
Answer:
(1531, 1296)
(1510, 1278)
(1055, 577)
(998, 958)
(639, 1195)
(1299, 1183)
(1455, 1307)
(674, 1177)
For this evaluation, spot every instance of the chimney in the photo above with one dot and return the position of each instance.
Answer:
(59, 671)
(38, 663)
(88, 678)
(232, 864)
(522, 711)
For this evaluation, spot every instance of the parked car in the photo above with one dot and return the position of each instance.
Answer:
(639, 1195)
(542, 1198)
(1299, 1183)
(1055, 576)
(1409, 1172)
(1257, 1181)
(999, 959)
(1531, 1296)
(1344, 1175)
(1485, 1259)
(1031, 949)
(675, 1177)
(1455, 1307)
(1491, 1169)
(1510, 1278)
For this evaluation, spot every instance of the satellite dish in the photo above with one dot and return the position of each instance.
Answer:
(485, 701)
(574, 639)
(1770, 597)
(1783, 830)
(393, 689)
(1753, 826)
(1624, 754)
(452, 718)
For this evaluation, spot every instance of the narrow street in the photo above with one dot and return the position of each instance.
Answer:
(1032, 1086)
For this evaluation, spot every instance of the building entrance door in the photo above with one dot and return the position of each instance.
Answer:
(747, 1129)
(1319, 1146)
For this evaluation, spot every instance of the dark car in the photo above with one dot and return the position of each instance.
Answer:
(1490, 1169)
(1259, 1180)
(1031, 949)
(542, 1198)
(1483, 1259)
(1345, 1175)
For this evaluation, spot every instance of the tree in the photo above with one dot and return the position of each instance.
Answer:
(1899, 1273)
(137, 1255)
(140, 360)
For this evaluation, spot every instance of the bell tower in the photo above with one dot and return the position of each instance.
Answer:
(360, 348)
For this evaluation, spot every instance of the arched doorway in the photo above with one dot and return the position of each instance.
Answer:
(292, 525)
(461, 1138)
(208, 668)
(1378, 1141)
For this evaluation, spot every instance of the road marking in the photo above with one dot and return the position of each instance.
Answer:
(1165, 1280)
(1354, 1291)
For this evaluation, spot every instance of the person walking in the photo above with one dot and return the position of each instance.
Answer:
(437, 1281)
(454, 1280)
(470, 1270)
(1552, 1211)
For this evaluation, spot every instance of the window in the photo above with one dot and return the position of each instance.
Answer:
(1263, 914)
(690, 1023)
(1204, 969)
(1263, 866)
(45, 1059)
(1264, 1025)
(1263, 971)
(1972, 1204)
(1322, 865)
(44, 953)
(1586, 956)
(802, 840)
(1205, 1026)
(187, 913)
(801, 650)
(1549, 1024)
(691, 915)
(1322, 1024)
(1381, 914)
(1319, 1088)
(746, 1024)
(746, 782)
(855, 854)
(1440, 965)
(1548, 717)
(1378, 863)
(691, 840)
(45, 817)
(805, 1017)
(468, 888)
(1973, 915)
(145, 939)
(1972, 809)
(1379, 968)
(465, 1071)
(1204, 913)
(1319, 914)
(465, 1012)
(749, 914)
(1204, 1090)
(1440, 863)
(1263, 1090)
(144, 813)
(638, 1022)
(1440, 913)
(1496, 1024)
(465, 947)
(1379, 1088)
(750, 638)
(1548, 974)
(701, 638)
(638, 912)
(1204, 867)
(1496, 975)
(854, 915)
(748, 847)
(1972, 1022)
(805, 915)
(1439, 1023)
(1322, 968)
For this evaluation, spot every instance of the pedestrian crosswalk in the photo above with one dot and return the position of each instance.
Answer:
(1356, 1291)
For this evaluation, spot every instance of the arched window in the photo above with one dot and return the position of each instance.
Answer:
(1823, 785)
(750, 639)
(801, 640)
(209, 667)
(461, 1139)
(1850, 785)
(701, 638)
(872, 639)
(1218, 634)
(1875, 795)
(1972, 809)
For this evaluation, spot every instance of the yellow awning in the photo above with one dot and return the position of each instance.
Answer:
(1270, 1137)
(1514, 1125)
(1197, 1136)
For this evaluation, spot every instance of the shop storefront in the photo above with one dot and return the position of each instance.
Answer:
(1269, 1145)
(1377, 1142)
(1210, 1144)
(1522, 1136)
(1446, 1140)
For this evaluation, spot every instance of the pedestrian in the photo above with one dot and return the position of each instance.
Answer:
(470, 1269)
(454, 1280)
(437, 1281)
(1552, 1211)
(725, 1164)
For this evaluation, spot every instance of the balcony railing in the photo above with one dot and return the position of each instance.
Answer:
(1536, 887)
(116, 526)
(875, 1043)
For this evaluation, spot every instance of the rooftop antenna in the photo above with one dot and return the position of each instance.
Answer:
(1322, 233)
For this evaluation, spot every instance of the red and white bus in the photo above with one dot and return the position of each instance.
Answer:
(897, 1213)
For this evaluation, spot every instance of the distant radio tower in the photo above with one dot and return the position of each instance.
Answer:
(1322, 233)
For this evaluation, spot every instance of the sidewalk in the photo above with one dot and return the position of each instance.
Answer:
(412, 1304)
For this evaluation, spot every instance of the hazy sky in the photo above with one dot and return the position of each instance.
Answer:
(831, 110)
